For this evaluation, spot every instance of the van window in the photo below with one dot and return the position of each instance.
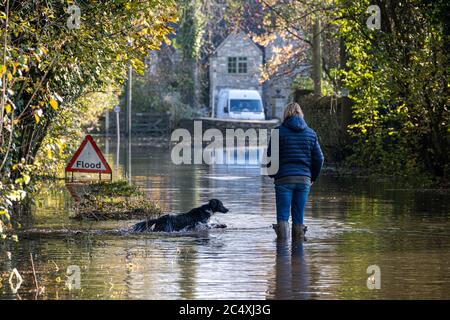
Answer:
(245, 105)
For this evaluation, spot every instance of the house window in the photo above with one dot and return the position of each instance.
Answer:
(242, 65)
(232, 65)
(237, 64)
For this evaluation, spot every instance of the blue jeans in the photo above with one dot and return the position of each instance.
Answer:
(291, 197)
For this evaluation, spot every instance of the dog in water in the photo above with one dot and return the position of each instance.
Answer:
(186, 221)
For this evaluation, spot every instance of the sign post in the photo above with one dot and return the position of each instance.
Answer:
(88, 158)
(117, 112)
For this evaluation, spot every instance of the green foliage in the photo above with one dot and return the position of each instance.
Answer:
(68, 129)
(49, 73)
(114, 200)
(189, 41)
(152, 94)
(399, 87)
(303, 83)
(190, 29)
(145, 95)
(173, 69)
(114, 189)
(11, 193)
(180, 110)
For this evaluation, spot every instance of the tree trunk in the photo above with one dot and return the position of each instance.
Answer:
(196, 75)
(317, 59)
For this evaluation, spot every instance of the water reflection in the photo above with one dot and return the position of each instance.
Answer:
(352, 224)
(300, 273)
(292, 278)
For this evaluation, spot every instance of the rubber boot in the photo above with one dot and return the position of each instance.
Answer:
(299, 232)
(281, 229)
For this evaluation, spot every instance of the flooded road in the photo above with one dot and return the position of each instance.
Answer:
(352, 225)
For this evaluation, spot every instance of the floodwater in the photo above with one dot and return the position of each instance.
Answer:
(352, 224)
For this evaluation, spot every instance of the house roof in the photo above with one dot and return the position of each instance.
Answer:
(237, 32)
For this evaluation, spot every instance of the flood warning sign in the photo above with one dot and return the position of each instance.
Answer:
(88, 158)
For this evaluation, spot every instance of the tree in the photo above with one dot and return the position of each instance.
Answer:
(47, 67)
(398, 81)
(397, 76)
(308, 35)
(189, 41)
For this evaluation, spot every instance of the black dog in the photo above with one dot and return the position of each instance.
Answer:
(189, 220)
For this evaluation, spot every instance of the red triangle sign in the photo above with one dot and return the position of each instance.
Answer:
(88, 158)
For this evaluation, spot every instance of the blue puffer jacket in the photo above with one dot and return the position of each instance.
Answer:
(299, 150)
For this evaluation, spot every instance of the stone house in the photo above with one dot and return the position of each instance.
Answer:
(236, 64)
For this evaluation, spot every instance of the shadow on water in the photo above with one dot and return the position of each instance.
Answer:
(352, 224)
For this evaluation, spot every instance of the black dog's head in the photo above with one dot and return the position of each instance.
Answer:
(217, 206)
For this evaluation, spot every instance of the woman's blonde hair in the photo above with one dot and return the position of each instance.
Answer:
(292, 109)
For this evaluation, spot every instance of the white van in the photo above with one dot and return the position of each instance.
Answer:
(239, 104)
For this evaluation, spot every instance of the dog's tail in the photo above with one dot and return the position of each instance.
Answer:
(144, 225)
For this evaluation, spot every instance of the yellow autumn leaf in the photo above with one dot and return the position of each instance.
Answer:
(2, 70)
(8, 108)
(54, 104)
(37, 118)
(9, 76)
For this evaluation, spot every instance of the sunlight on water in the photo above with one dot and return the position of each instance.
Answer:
(351, 225)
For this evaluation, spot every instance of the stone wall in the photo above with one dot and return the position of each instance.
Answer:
(329, 117)
(223, 124)
(276, 95)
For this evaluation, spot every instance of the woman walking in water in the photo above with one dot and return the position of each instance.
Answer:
(300, 162)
